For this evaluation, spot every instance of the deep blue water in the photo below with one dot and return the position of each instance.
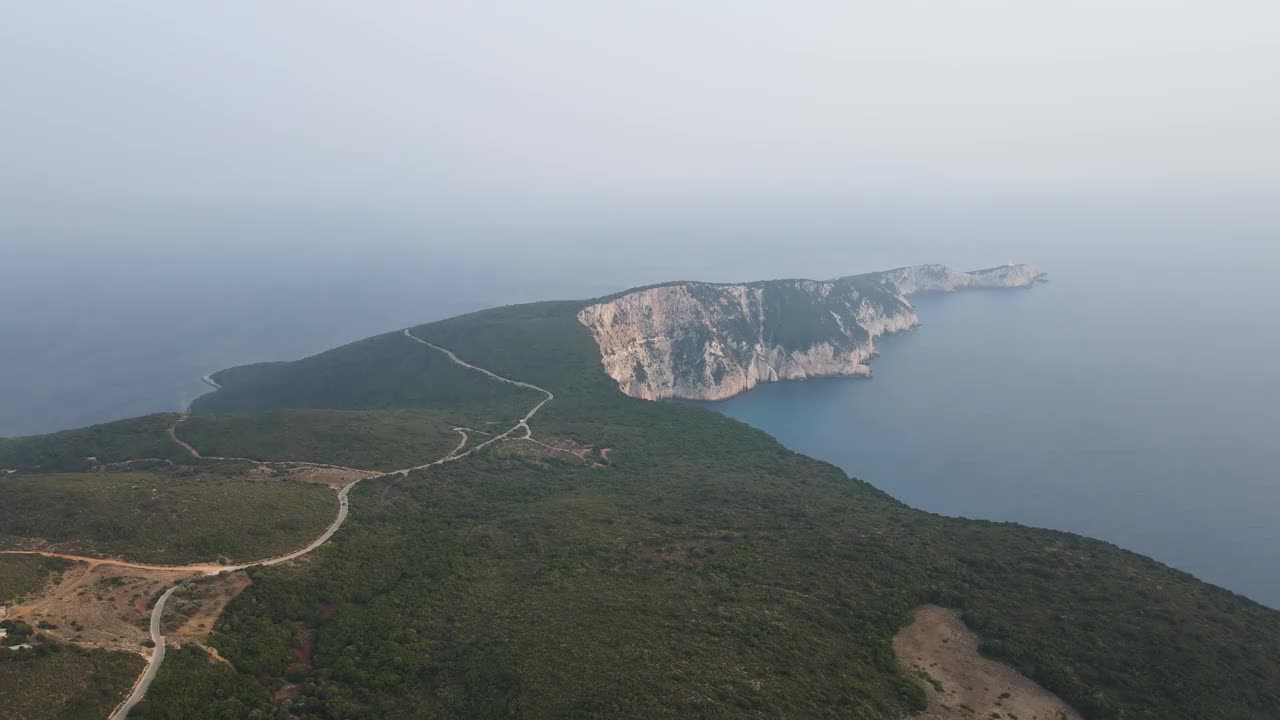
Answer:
(1141, 411)
(1135, 398)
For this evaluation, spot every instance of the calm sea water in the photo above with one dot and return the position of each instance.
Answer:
(1140, 410)
(1135, 398)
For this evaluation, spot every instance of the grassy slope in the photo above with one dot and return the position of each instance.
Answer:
(64, 683)
(23, 574)
(142, 437)
(371, 439)
(386, 371)
(225, 694)
(708, 572)
(164, 517)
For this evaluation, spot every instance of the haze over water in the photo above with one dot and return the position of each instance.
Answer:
(1141, 409)
(1131, 398)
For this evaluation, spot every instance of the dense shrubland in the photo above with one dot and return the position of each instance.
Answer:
(706, 572)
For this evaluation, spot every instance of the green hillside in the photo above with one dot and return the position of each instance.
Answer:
(366, 439)
(163, 517)
(22, 574)
(70, 450)
(64, 682)
(386, 371)
(707, 571)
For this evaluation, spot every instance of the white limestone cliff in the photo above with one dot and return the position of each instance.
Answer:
(710, 341)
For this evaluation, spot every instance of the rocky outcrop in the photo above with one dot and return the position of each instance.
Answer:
(711, 341)
(940, 278)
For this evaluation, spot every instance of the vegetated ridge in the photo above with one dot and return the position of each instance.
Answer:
(701, 570)
(710, 341)
(519, 431)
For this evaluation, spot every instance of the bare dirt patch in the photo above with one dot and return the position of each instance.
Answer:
(942, 653)
(558, 449)
(192, 612)
(98, 604)
(302, 661)
(288, 691)
(211, 651)
(335, 478)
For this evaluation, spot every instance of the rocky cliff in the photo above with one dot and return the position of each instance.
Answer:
(710, 341)
(940, 278)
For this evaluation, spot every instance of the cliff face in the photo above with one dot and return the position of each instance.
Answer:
(940, 278)
(709, 341)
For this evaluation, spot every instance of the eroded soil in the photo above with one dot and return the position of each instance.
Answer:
(98, 604)
(942, 653)
(331, 476)
(109, 606)
(559, 449)
(192, 612)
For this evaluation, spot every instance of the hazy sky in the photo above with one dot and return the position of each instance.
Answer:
(135, 109)
(186, 186)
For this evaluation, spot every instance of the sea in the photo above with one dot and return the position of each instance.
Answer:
(1134, 397)
(1153, 427)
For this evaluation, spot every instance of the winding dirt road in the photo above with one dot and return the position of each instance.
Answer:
(524, 421)
(208, 569)
(157, 656)
(186, 414)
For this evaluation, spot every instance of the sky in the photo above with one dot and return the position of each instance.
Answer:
(188, 186)
(136, 112)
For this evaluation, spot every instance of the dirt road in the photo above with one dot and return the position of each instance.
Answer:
(458, 453)
(206, 568)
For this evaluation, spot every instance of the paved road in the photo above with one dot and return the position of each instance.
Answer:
(343, 505)
(153, 663)
(157, 656)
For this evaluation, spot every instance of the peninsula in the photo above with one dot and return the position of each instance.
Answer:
(490, 516)
(707, 341)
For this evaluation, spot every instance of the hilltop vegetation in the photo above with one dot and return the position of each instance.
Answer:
(706, 572)
(386, 371)
(70, 450)
(167, 518)
(225, 694)
(64, 682)
(377, 440)
(23, 574)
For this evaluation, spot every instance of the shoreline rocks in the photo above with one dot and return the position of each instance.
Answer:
(708, 341)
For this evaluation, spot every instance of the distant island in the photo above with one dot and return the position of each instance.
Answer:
(490, 516)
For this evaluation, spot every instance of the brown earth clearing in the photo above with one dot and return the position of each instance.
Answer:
(939, 650)
(192, 611)
(333, 477)
(98, 604)
(557, 449)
